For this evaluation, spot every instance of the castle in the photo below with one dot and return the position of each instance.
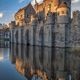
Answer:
(46, 24)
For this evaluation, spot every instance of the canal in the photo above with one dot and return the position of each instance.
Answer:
(21, 62)
(7, 69)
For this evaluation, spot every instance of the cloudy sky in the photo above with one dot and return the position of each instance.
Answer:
(75, 5)
(9, 7)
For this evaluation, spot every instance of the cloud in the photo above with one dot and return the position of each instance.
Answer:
(38, 1)
(1, 14)
(33, 2)
(20, 1)
(75, 1)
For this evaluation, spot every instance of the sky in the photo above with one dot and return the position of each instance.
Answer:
(75, 5)
(9, 7)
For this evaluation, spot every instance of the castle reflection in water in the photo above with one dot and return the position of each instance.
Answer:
(46, 63)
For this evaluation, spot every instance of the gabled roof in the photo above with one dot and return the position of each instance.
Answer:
(63, 4)
(27, 8)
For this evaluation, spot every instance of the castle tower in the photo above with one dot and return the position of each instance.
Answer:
(62, 28)
(50, 6)
(49, 30)
(62, 36)
(68, 5)
(75, 29)
(54, 5)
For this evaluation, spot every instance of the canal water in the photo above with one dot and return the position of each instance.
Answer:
(7, 69)
(21, 62)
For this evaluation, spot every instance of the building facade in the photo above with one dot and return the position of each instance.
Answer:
(23, 16)
(50, 26)
(4, 37)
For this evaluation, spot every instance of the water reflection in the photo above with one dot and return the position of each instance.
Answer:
(43, 63)
(7, 70)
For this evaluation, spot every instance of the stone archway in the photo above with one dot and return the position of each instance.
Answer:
(41, 36)
(27, 37)
(22, 32)
(16, 36)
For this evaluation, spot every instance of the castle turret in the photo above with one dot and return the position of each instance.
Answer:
(75, 29)
(49, 30)
(69, 6)
(76, 18)
(54, 5)
(50, 5)
(62, 13)
(62, 36)
(62, 27)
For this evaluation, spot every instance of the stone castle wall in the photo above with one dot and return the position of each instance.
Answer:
(57, 31)
(52, 29)
(51, 32)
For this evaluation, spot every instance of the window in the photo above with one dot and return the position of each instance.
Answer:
(62, 12)
(21, 16)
